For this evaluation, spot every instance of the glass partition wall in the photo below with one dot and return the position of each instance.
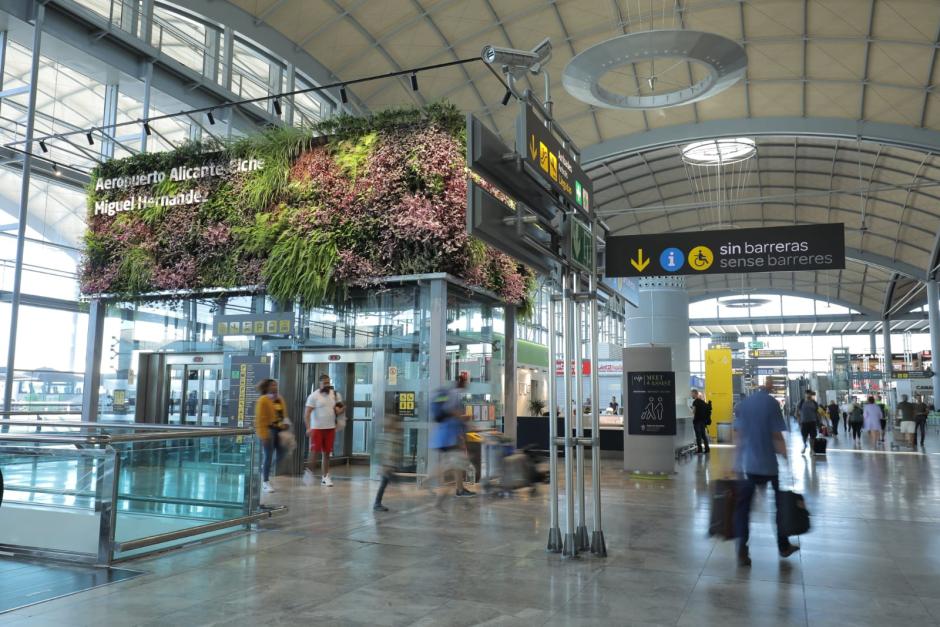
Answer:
(391, 341)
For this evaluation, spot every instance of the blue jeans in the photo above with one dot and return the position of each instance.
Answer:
(701, 435)
(742, 510)
(269, 449)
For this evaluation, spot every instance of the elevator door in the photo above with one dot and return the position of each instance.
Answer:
(180, 389)
(356, 376)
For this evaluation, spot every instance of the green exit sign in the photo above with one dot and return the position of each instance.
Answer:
(755, 345)
(582, 245)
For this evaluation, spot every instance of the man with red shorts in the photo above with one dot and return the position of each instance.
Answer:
(320, 411)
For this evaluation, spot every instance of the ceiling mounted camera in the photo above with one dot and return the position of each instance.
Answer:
(531, 60)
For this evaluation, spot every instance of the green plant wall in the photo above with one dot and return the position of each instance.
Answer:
(302, 213)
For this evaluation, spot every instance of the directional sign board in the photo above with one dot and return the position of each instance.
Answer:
(788, 248)
(557, 164)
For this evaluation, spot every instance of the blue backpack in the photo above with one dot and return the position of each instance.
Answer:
(439, 404)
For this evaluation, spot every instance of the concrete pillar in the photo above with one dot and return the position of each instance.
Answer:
(509, 373)
(933, 312)
(661, 318)
(886, 378)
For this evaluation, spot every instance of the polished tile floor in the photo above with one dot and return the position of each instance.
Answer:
(872, 558)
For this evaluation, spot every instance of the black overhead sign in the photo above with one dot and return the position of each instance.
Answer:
(810, 247)
(555, 163)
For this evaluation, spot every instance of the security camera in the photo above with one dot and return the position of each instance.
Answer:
(518, 59)
(509, 56)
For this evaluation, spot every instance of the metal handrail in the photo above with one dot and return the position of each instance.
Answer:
(105, 439)
(102, 423)
(16, 412)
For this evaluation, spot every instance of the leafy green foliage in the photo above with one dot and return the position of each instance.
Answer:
(331, 206)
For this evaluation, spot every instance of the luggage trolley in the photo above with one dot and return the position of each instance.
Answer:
(502, 468)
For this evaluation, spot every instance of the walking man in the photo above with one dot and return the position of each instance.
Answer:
(834, 416)
(449, 439)
(808, 411)
(905, 411)
(920, 420)
(701, 416)
(758, 435)
(320, 412)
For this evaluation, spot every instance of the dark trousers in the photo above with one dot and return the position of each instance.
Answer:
(920, 426)
(742, 510)
(808, 431)
(884, 427)
(269, 449)
(701, 435)
(386, 477)
(856, 430)
(835, 425)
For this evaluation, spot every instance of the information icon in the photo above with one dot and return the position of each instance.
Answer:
(701, 258)
(671, 259)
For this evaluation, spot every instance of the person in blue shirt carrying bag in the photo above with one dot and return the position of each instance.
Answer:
(448, 438)
(758, 437)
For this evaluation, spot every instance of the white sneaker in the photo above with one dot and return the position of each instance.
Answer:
(327, 481)
(308, 479)
(266, 487)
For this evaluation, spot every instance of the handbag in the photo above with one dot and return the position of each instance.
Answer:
(724, 501)
(792, 515)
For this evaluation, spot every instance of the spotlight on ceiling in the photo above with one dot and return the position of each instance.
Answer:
(211, 117)
(414, 82)
(42, 145)
(277, 107)
(91, 140)
(343, 95)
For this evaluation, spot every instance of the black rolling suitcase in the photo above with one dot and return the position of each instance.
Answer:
(724, 496)
(819, 446)
(793, 517)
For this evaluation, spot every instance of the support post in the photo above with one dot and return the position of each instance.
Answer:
(145, 104)
(569, 548)
(554, 533)
(888, 365)
(509, 368)
(24, 205)
(94, 345)
(598, 544)
(933, 313)
(581, 534)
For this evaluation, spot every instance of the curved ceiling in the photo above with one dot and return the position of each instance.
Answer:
(840, 70)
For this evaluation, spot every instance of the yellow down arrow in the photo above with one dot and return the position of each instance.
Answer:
(533, 149)
(640, 263)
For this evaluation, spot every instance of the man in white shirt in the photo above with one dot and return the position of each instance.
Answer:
(320, 412)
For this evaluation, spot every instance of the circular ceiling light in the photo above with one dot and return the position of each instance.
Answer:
(716, 152)
(723, 61)
(743, 302)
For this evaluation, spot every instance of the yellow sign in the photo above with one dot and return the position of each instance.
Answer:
(533, 148)
(640, 263)
(718, 386)
(543, 156)
(406, 404)
(701, 258)
(553, 166)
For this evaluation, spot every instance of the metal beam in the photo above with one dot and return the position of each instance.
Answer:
(842, 128)
(865, 313)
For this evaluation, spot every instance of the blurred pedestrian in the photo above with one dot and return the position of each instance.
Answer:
(872, 420)
(758, 435)
(884, 416)
(701, 418)
(388, 448)
(834, 416)
(856, 421)
(920, 419)
(808, 410)
(449, 439)
(905, 411)
(270, 419)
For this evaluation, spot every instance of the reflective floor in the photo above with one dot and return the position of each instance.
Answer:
(872, 558)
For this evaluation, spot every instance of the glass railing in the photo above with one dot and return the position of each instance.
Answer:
(98, 492)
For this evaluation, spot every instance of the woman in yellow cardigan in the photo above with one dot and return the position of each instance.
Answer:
(270, 419)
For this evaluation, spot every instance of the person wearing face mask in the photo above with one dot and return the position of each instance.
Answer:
(270, 419)
(320, 413)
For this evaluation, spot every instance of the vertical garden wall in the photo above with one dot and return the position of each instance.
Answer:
(301, 214)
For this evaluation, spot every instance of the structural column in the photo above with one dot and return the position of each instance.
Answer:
(661, 320)
(509, 368)
(888, 365)
(24, 205)
(933, 311)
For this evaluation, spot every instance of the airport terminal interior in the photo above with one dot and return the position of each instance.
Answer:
(463, 312)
